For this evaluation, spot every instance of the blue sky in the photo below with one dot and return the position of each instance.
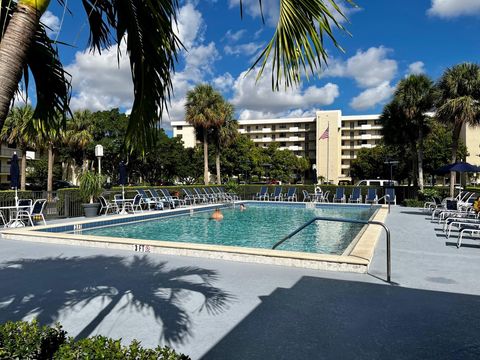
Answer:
(389, 39)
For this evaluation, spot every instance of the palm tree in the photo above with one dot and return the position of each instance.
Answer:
(18, 130)
(203, 110)
(297, 47)
(459, 102)
(224, 135)
(415, 97)
(79, 133)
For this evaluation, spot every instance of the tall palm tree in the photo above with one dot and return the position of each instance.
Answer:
(224, 135)
(297, 47)
(415, 97)
(203, 110)
(18, 130)
(79, 133)
(459, 103)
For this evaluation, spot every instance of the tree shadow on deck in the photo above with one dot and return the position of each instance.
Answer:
(46, 287)
(333, 319)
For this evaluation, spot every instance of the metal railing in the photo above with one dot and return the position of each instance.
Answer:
(350, 221)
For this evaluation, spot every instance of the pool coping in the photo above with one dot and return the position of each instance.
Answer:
(358, 260)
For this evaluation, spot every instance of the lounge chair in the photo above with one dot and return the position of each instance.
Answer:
(356, 196)
(189, 197)
(371, 197)
(291, 194)
(106, 205)
(229, 194)
(277, 194)
(150, 201)
(390, 197)
(211, 196)
(339, 195)
(201, 197)
(467, 229)
(307, 196)
(326, 197)
(262, 195)
(35, 212)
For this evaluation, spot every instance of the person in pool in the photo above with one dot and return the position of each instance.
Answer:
(243, 207)
(217, 215)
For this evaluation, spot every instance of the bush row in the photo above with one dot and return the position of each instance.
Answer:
(28, 340)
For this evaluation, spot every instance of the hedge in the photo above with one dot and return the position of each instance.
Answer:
(29, 341)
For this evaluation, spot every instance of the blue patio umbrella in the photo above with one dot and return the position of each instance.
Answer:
(458, 167)
(122, 172)
(14, 172)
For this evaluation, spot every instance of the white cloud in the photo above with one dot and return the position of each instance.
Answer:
(454, 8)
(369, 68)
(254, 98)
(51, 22)
(247, 49)
(189, 25)
(223, 82)
(372, 96)
(295, 113)
(418, 67)
(231, 36)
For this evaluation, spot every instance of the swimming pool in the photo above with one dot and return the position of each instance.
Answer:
(259, 226)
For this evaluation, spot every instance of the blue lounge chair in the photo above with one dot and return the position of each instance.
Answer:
(371, 197)
(339, 195)
(135, 205)
(150, 201)
(262, 195)
(189, 197)
(307, 196)
(200, 196)
(291, 194)
(356, 196)
(277, 194)
(390, 197)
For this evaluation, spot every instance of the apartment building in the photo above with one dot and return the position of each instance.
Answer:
(329, 140)
(6, 153)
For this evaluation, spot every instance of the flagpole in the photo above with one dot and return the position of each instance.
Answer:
(328, 154)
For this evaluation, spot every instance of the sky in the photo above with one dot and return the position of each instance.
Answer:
(388, 40)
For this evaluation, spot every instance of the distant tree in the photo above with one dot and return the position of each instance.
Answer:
(18, 130)
(79, 134)
(459, 103)
(203, 110)
(414, 97)
(224, 135)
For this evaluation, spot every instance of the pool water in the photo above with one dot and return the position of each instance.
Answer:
(259, 226)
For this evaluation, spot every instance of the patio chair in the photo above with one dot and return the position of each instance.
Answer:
(356, 196)
(372, 197)
(326, 196)
(106, 205)
(291, 194)
(200, 196)
(262, 195)
(390, 197)
(189, 197)
(134, 205)
(150, 201)
(467, 229)
(211, 196)
(34, 213)
(339, 195)
(307, 196)
(172, 201)
(229, 194)
(277, 194)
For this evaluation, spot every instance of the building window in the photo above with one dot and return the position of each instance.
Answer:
(273, 127)
(283, 144)
(273, 137)
(378, 122)
(362, 122)
(283, 126)
(256, 127)
(296, 144)
(364, 142)
(343, 142)
(282, 135)
(248, 128)
(12, 146)
(179, 127)
(363, 132)
(296, 134)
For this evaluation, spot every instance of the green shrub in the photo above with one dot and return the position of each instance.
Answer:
(412, 203)
(23, 340)
(428, 193)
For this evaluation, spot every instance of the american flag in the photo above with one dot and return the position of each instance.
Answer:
(325, 134)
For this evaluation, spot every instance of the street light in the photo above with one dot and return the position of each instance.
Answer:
(391, 163)
(99, 154)
(315, 178)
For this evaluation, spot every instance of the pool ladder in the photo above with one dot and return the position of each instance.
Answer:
(350, 221)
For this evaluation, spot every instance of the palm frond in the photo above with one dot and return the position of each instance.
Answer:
(297, 46)
(52, 82)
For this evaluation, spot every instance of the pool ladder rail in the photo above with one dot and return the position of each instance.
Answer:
(350, 221)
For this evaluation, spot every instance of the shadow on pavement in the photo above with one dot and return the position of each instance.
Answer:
(45, 287)
(332, 319)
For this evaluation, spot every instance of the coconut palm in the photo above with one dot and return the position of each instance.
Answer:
(79, 133)
(414, 96)
(297, 47)
(18, 130)
(459, 102)
(224, 135)
(204, 110)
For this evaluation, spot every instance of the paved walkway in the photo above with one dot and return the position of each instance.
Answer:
(213, 309)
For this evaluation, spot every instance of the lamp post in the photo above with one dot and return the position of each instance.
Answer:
(391, 163)
(315, 178)
(99, 154)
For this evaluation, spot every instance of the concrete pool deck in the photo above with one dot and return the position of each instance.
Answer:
(257, 311)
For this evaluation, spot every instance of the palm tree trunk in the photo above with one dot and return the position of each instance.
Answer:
(217, 163)
(205, 157)
(455, 139)
(23, 170)
(420, 158)
(50, 168)
(13, 53)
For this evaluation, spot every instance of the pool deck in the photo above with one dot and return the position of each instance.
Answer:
(258, 311)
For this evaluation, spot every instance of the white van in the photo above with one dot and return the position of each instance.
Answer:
(377, 182)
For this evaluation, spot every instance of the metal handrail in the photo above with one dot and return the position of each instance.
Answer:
(350, 221)
(388, 198)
